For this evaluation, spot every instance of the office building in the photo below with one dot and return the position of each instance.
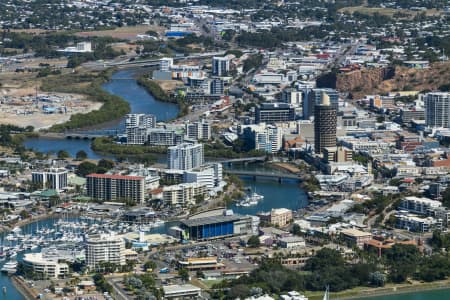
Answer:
(221, 65)
(315, 97)
(116, 187)
(185, 156)
(292, 96)
(104, 248)
(140, 120)
(274, 112)
(165, 64)
(217, 86)
(325, 122)
(200, 130)
(51, 179)
(45, 268)
(437, 109)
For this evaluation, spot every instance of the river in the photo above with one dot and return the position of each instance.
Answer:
(124, 85)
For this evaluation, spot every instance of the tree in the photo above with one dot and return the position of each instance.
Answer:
(81, 155)
(253, 241)
(150, 264)
(86, 168)
(184, 274)
(106, 164)
(62, 154)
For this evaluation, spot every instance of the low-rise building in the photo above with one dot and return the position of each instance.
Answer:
(356, 237)
(291, 242)
(45, 267)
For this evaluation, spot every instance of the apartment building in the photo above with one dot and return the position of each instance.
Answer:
(104, 248)
(116, 187)
(54, 178)
(185, 156)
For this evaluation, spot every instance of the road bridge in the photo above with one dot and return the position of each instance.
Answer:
(266, 175)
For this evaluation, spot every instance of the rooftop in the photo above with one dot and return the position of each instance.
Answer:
(115, 176)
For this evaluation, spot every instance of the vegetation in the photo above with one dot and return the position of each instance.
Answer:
(86, 167)
(253, 62)
(113, 107)
(153, 88)
(253, 241)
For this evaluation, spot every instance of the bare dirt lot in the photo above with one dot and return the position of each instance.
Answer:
(127, 32)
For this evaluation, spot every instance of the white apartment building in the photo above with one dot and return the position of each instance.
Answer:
(165, 64)
(418, 205)
(53, 178)
(209, 176)
(140, 120)
(269, 140)
(185, 156)
(45, 267)
(200, 130)
(221, 65)
(184, 194)
(104, 248)
(417, 224)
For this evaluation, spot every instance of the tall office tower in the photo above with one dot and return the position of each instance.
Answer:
(274, 112)
(140, 120)
(315, 97)
(437, 109)
(221, 65)
(325, 122)
(185, 156)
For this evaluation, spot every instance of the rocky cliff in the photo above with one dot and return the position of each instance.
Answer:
(363, 81)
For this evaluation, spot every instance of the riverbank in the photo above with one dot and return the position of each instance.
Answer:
(397, 289)
(88, 84)
(153, 88)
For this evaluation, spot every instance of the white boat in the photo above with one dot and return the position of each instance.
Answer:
(10, 267)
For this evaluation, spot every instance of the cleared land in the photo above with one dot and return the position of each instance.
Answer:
(126, 33)
(390, 12)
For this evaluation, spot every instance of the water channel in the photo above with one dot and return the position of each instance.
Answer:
(276, 195)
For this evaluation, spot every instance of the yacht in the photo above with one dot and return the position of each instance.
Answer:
(10, 267)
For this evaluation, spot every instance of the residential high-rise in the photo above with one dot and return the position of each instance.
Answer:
(104, 248)
(52, 179)
(217, 86)
(200, 130)
(437, 109)
(140, 120)
(292, 96)
(185, 156)
(221, 65)
(270, 140)
(325, 122)
(116, 187)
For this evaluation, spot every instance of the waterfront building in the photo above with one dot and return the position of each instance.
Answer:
(164, 137)
(210, 176)
(325, 123)
(184, 194)
(54, 178)
(104, 248)
(116, 187)
(221, 65)
(215, 227)
(140, 120)
(277, 216)
(46, 268)
(165, 64)
(437, 109)
(200, 130)
(185, 156)
(274, 112)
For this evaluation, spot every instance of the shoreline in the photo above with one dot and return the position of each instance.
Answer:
(400, 289)
(21, 286)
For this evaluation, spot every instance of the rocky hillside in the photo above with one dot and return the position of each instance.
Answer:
(382, 81)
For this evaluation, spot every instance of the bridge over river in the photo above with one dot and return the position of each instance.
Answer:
(264, 174)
